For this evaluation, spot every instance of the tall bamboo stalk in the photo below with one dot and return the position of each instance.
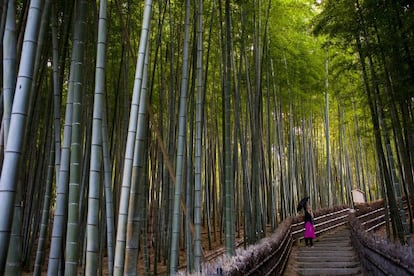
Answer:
(181, 146)
(96, 148)
(137, 197)
(327, 137)
(9, 85)
(76, 84)
(397, 189)
(45, 214)
(19, 116)
(129, 150)
(9, 66)
(228, 173)
(198, 142)
(109, 203)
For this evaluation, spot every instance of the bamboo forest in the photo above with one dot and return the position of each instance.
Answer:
(138, 135)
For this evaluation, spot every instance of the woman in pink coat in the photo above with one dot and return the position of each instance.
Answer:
(309, 227)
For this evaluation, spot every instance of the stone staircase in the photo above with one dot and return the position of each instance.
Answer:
(331, 254)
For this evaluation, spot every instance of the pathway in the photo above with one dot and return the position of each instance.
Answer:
(331, 254)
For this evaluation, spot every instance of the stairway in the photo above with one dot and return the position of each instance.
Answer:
(331, 254)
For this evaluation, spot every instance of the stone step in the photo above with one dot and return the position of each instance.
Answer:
(322, 253)
(336, 254)
(334, 239)
(335, 235)
(325, 259)
(343, 231)
(329, 271)
(330, 247)
(332, 254)
(334, 264)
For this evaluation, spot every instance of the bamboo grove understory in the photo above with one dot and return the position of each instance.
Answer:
(137, 135)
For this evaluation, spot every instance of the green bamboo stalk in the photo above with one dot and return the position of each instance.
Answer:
(109, 204)
(9, 66)
(59, 221)
(189, 179)
(348, 173)
(181, 147)
(198, 142)
(27, 216)
(92, 254)
(228, 173)
(44, 224)
(62, 169)
(129, 151)
(248, 230)
(277, 166)
(405, 237)
(13, 152)
(341, 150)
(56, 92)
(327, 137)
(72, 249)
(137, 197)
(9, 84)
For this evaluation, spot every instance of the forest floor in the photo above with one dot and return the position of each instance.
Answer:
(383, 233)
(217, 248)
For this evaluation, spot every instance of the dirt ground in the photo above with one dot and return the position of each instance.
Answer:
(216, 245)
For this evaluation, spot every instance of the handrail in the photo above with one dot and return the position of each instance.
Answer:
(379, 257)
(270, 254)
(333, 213)
(375, 226)
(331, 227)
(323, 223)
(266, 267)
(321, 217)
(334, 219)
(379, 218)
(381, 209)
(373, 219)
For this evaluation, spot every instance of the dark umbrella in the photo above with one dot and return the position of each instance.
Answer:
(302, 203)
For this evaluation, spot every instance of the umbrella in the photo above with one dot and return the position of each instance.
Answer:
(302, 203)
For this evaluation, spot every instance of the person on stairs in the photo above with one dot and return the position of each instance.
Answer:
(309, 234)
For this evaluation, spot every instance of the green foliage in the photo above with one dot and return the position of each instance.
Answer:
(384, 28)
(299, 59)
(337, 19)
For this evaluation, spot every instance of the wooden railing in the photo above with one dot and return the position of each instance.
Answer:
(373, 219)
(275, 262)
(268, 257)
(323, 223)
(372, 215)
(377, 255)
